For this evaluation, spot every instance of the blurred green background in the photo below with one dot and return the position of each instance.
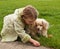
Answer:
(48, 9)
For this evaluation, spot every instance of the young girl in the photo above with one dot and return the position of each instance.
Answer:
(14, 24)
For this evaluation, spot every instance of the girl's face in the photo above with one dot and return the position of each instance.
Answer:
(29, 20)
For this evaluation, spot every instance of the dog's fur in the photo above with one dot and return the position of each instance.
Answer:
(40, 27)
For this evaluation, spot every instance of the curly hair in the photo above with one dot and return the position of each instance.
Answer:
(30, 11)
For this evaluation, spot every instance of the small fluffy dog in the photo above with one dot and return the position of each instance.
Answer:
(39, 27)
(42, 26)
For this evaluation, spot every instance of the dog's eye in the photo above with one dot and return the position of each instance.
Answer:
(35, 25)
(40, 25)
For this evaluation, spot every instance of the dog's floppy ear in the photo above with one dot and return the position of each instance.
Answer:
(35, 23)
(45, 24)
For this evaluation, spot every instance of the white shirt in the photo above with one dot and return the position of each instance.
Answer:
(14, 27)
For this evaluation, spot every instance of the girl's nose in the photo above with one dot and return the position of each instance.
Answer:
(31, 21)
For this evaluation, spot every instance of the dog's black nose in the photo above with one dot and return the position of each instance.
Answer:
(38, 29)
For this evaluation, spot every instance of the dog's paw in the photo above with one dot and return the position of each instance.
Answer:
(50, 36)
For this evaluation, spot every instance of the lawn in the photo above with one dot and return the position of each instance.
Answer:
(48, 9)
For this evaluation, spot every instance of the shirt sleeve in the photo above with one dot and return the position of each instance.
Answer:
(21, 32)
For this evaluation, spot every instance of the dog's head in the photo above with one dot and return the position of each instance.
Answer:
(41, 24)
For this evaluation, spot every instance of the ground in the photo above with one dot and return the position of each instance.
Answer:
(19, 45)
(48, 9)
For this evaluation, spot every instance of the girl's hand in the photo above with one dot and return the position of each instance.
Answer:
(34, 42)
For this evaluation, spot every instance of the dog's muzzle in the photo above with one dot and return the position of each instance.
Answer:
(39, 28)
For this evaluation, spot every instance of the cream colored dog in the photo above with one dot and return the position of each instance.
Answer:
(42, 26)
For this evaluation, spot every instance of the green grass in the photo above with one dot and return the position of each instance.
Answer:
(48, 9)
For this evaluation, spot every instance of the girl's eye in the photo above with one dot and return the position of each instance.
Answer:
(25, 17)
(40, 25)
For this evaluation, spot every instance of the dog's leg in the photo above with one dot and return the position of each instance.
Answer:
(44, 33)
